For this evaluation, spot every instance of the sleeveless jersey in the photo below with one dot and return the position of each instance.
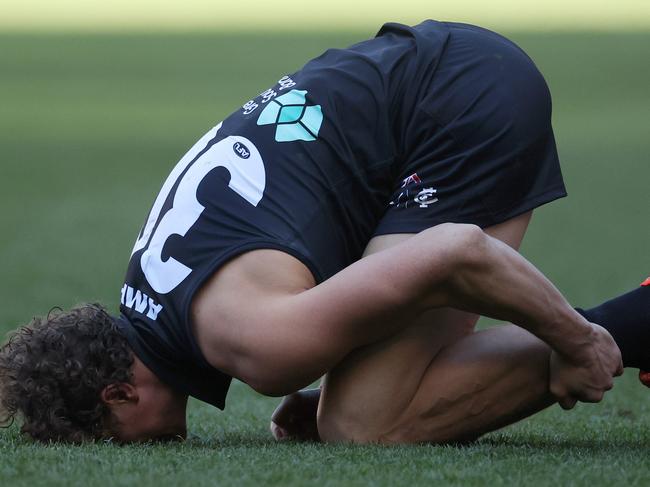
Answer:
(307, 167)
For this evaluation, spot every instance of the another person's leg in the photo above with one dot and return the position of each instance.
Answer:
(438, 380)
(627, 318)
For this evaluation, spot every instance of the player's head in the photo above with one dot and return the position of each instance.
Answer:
(71, 376)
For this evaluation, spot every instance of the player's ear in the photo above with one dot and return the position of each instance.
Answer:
(119, 393)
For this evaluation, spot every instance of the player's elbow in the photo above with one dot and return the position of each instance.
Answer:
(279, 374)
(455, 251)
(269, 386)
(468, 248)
(276, 381)
(465, 244)
(471, 260)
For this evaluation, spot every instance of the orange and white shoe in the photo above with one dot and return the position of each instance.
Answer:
(644, 376)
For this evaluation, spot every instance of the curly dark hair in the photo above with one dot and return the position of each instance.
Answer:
(52, 372)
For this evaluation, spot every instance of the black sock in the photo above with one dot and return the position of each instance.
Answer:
(627, 319)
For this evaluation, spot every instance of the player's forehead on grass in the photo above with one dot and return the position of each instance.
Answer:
(53, 370)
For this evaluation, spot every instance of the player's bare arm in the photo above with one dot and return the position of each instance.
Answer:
(440, 381)
(292, 336)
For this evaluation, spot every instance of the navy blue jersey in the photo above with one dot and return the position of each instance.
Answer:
(312, 167)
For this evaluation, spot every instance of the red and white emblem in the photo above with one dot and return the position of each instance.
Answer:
(423, 198)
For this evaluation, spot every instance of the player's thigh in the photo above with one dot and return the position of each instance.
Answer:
(366, 393)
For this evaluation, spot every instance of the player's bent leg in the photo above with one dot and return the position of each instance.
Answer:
(367, 392)
(482, 382)
(366, 396)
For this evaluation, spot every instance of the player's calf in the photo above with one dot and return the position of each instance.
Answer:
(476, 385)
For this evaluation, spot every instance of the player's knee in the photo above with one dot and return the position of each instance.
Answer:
(340, 423)
(330, 430)
(334, 426)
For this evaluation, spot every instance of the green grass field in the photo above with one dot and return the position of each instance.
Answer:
(91, 124)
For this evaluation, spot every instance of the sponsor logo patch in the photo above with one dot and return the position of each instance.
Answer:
(241, 150)
(293, 118)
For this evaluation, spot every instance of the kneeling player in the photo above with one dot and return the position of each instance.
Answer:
(249, 265)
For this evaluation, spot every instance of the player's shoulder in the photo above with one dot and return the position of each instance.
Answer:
(247, 291)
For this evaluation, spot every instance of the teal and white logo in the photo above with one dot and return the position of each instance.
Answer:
(294, 120)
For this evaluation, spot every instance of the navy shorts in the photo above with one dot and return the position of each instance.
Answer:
(479, 146)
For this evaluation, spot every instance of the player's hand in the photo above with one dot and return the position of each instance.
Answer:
(587, 375)
(295, 417)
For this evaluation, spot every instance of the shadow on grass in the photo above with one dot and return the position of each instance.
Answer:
(530, 442)
(545, 444)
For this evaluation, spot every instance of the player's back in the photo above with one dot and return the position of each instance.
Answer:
(307, 167)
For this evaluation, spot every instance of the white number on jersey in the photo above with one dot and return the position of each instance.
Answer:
(247, 178)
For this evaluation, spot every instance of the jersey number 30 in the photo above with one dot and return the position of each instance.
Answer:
(247, 179)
